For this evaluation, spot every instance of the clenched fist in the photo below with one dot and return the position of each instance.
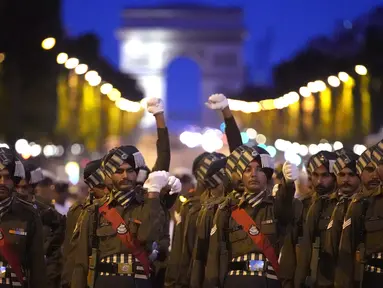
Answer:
(156, 181)
(155, 105)
(217, 102)
(175, 185)
(290, 172)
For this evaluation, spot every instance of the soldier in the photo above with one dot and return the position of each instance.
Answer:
(217, 186)
(246, 237)
(53, 223)
(185, 232)
(21, 232)
(348, 183)
(94, 178)
(127, 225)
(317, 272)
(360, 245)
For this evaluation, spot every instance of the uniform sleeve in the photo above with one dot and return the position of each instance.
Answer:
(218, 256)
(163, 151)
(68, 246)
(200, 251)
(284, 210)
(233, 134)
(81, 260)
(333, 233)
(36, 254)
(189, 236)
(288, 255)
(303, 265)
(344, 273)
(153, 220)
(175, 253)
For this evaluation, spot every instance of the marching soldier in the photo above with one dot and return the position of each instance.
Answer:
(348, 183)
(360, 245)
(178, 271)
(21, 231)
(246, 237)
(314, 268)
(94, 178)
(126, 226)
(53, 223)
(217, 186)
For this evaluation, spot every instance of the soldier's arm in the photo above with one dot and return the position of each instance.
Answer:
(36, 262)
(81, 238)
(152, 220)
(344, 273)
(176, 249)
(303, 265)
(217, 258)
(163, 145)
(283, 205)
(233, 134)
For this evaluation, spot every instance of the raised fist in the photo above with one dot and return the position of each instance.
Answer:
(217, 102)
(175, 185)
(290, 172)
(155, 105)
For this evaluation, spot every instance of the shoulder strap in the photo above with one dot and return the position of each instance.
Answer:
(260, 240)
(118, 224)
(10, 257)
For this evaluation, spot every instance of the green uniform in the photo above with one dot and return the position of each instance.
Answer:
(74, 219)
(22, 232)
(363, 231)
(231, 248)
(204, 224)
(312, 270)
(144, 219)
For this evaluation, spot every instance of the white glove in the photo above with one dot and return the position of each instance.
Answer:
(175, 185)
(217, 102)
(156, 181)
(155, 105)
(290, 172)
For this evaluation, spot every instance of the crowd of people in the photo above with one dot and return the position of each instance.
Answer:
(231, 220)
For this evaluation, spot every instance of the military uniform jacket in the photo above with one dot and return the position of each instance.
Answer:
(73, 224)
(204, 224)
(148, 211)
(23, 233)
(318, 219)
(363, 224)
(228, 240)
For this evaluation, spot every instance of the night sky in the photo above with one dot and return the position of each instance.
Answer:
(289, 22)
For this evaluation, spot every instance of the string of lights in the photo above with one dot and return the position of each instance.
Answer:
(93, 78)
(294, 96)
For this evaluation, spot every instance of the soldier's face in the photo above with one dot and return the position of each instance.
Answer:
(6, 184)
(254, 179)
(237, 183)
(309, 182)
(99, 191)
(124, 179)
(370, 178)
(348, 182)
(322, 181)
(380, 170)
(24, 190)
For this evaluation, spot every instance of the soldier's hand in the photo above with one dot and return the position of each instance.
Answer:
(155, 105)
(217, 102)
(156, 181)
(175, 185)
(290, 172)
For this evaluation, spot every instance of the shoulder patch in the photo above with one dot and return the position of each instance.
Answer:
(346, 223)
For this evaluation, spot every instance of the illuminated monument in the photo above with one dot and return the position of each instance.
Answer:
(153, 39)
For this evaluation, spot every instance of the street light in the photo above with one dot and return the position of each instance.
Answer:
(48, 43)
(81, 69)
(62, 58)
(71, 63)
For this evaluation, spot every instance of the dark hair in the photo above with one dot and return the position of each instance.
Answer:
(61, 187)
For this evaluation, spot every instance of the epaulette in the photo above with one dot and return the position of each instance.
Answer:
(212, 202)
(225, 204)
(190, 201)
(75, 206)
(30, 204)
